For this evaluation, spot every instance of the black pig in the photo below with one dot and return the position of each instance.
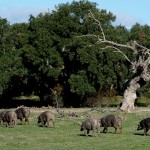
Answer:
(144, 124)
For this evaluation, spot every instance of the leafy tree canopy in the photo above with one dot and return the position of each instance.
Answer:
(52, 49)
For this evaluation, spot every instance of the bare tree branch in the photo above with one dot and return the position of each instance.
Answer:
(99, 24)
(140, 66)
(142, 52)
(118, 50)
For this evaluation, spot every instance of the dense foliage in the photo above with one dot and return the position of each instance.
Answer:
(48, 55)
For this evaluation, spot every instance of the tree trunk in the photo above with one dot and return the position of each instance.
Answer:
(140, 66)
(129, 95)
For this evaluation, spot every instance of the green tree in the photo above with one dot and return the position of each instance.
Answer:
(56, 54)
(11, 67)
(141, 33)
(139, 63)
(51, 50)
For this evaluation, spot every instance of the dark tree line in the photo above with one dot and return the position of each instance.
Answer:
(47, 57)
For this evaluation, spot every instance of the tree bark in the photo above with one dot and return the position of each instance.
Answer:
(129, 96)
(140, 67)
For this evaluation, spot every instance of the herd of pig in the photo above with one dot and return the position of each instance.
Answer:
(10, 119)
(110, 121)
(23, 113)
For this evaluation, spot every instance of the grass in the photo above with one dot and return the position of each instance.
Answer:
(67, 135)
(143, 101)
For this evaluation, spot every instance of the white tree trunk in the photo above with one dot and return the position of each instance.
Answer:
(130, 96)
(140, 67)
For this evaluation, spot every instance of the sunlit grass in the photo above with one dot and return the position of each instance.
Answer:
(67, 135)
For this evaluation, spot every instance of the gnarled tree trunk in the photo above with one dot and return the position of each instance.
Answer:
(140, 67)
(129, 96)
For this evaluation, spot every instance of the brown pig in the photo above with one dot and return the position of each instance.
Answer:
(10, 118)
(1, 117)
(111, 121)
(90, 124)
(46, 117)
(23, 113)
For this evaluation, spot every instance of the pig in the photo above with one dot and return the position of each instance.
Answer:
(23, 114)
(144, 124)
(46, 117)
(1, 117)
(111, 121)
(90, 124)
(10, 118)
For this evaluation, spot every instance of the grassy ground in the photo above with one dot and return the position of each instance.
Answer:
(67, 135)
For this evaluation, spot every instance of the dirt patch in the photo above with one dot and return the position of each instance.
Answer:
(142, 109)
(81, 110)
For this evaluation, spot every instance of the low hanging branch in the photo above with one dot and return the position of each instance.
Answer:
(140, 67)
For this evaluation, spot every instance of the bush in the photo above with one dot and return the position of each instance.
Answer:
(143, 101)
(103, 101)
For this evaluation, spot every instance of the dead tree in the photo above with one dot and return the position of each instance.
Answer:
(55, 97)
(56, 94)
(140, 66)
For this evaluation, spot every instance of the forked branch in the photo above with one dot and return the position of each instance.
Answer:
(142, 53)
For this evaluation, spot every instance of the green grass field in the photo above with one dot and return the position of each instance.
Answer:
(67, 135)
